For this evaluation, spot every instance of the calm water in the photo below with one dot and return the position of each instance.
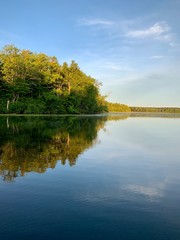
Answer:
(104, 177)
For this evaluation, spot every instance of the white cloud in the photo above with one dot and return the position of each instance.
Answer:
(93, 22)
(159, 30)
(124, 28)
(157, 57)
(115, 66)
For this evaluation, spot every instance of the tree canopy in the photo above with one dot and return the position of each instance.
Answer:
(117, 107)
(36, 83)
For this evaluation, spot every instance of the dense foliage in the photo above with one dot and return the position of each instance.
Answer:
(117, 107)
(156, 109)
(37, 83)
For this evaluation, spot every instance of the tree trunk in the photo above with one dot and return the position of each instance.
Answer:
(8, 105)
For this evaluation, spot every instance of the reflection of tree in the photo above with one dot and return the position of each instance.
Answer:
(123, 116)
(155, 114)
(35, 144)
(117, 116)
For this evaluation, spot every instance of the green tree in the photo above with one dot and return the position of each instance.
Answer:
(36, 83)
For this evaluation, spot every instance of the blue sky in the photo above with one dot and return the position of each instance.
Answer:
(132, 47)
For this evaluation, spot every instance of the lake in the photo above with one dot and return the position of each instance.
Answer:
(113, 176)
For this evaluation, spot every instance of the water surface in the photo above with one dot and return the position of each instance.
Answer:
(97, 177)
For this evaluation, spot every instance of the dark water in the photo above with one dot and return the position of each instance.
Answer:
(104, 177)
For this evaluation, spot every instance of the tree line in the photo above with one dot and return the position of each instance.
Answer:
(156, 109)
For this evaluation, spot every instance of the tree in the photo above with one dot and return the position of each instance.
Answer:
(37, 83)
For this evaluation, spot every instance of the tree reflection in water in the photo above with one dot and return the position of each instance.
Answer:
(36, 143)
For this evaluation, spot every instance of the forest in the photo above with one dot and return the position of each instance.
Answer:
(36, 83)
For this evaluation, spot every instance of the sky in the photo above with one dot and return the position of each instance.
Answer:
(131, 46)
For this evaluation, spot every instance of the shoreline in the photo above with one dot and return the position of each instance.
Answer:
(128, 114)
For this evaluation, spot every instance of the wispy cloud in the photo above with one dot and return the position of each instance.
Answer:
(157, 57)
(94, 22)
(126, 28)
(117, 67)
(159, 30)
